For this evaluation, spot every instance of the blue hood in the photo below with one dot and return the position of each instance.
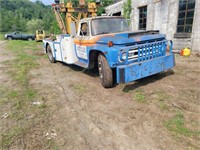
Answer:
(128, 38)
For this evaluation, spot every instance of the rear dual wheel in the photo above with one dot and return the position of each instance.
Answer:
(105, 72)
(50, 54)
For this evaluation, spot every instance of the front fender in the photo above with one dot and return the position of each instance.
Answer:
(46, 43)
(111, 53)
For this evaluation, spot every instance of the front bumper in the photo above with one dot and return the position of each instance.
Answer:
(138, 70)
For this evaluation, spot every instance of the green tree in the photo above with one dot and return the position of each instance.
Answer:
(34, 24)
(127, 9)
(15, 15)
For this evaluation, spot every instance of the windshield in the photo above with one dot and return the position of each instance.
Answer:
(108, 25)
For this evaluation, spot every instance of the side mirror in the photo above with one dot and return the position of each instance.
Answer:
(73, 29)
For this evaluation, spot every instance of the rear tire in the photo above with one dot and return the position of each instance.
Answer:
(50, 55)
(105, 72)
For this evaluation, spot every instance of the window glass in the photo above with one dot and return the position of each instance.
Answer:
(185, 16)
(189, 21)
(181, 22)
(142, 18)
(84, 29)
(108, 25)
(182, 6)
(188, 29)
(190, 13)
(191, 4)
(180, 29)
(181, 15)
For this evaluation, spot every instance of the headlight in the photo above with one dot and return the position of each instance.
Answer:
(123, 56)
(5, 35)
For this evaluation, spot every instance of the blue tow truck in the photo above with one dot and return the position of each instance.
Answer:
(106, 42)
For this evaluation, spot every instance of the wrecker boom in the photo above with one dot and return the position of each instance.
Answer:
(83, 10)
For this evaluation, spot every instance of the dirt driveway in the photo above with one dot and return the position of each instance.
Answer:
(137, 116)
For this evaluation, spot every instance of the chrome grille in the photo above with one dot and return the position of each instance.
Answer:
(147, 51)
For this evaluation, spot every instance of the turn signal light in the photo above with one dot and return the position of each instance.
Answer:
(110, 43)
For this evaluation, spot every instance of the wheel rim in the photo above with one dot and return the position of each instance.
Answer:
(100, 69)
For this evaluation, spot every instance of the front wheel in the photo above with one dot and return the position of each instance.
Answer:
(50, 55)
(10, 38)
(29, 39)
(105, 72)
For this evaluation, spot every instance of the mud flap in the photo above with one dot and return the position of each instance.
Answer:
(132, 72)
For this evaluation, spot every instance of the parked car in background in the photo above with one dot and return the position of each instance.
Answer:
(19, 36)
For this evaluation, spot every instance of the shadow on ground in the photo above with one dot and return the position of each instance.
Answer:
(90, 72)
(147, 80)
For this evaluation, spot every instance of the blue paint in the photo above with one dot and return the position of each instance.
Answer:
(143, 69)
(123, 39)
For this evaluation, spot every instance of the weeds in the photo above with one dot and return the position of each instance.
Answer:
(163, 106)
(177, 125)
(19, 99)
(139, 96)
(161, 96)
(1, 36)
(8, 136)
(79, 88)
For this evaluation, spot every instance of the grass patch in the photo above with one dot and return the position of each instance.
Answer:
(139, 96)
(1, 36)
(79, 88)
(163, 106)
(24, 61)
(177, 125)
(161, 95)
(18, 99)
(7, 137)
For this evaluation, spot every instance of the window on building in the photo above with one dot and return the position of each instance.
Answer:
(143, 18)
(185, 16)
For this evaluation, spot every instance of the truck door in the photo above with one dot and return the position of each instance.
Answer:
(81, 39)
(17, 35)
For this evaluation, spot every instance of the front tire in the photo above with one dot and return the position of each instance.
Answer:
(50, 54)
(29, 39)
(105, 72)
(10, 38)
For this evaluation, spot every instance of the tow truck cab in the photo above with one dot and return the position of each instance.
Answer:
(121, 55)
